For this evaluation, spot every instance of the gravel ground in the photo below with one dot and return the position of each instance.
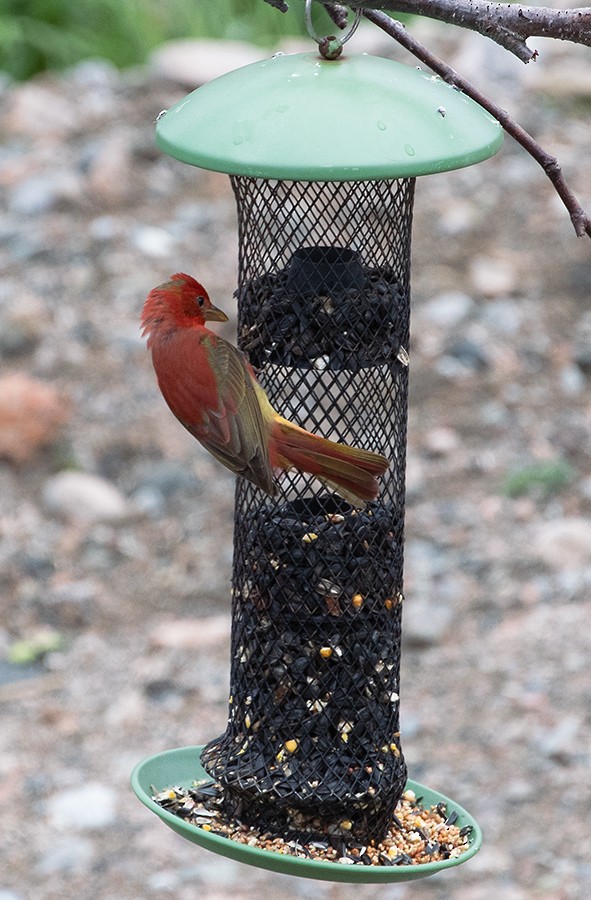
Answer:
(115, 537)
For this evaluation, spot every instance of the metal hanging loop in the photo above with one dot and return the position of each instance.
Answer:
(330, 46)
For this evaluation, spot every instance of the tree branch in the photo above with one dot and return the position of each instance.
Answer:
(550, 165)
(509, 25)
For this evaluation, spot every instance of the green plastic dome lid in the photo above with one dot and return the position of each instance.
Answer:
(300, 117)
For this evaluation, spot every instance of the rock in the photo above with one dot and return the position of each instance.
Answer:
(563, 543)
(94, 74)
(74, 855)
(41, 193)
(69, 605)
(503, 315)
(21, 324)
(151, 240)
(415, 478)
(192, 634)
(168, 478)
(442, 441)
(193, 62)
(572, 380)
(447, 310)
(425, 622)
(493, 277)
(84, 498)
(110, 175)
(560, 742)
(582, 343)
(35, 110)
(32, 415)
(91, 805)
(567, 80)
(469, 354)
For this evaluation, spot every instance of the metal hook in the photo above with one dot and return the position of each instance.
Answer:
(320, 38)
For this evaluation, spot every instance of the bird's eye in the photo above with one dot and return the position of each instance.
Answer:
(200, 300)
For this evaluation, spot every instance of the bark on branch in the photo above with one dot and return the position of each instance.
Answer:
(509, 25)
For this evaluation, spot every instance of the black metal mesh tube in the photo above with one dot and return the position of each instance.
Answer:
(312, 742)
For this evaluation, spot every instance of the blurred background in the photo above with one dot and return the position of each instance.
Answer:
(115, 527)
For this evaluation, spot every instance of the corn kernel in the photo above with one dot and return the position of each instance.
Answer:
(326, 652)
(291, 746)
(357, 601)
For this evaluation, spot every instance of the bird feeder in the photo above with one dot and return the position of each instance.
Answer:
(322, 155)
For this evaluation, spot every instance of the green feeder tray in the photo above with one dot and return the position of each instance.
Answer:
(182, 766)
(302, 118)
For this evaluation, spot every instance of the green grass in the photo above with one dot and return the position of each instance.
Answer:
(539, 479)
(52, 34)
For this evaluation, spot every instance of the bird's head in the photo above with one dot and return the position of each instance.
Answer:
(181, 302)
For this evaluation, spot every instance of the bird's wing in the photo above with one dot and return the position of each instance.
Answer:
(210, 389)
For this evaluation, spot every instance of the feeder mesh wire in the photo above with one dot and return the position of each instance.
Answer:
(312, 743)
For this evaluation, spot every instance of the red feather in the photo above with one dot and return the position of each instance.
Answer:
(211, 388)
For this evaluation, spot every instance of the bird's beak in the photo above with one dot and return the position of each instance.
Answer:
(213, 314)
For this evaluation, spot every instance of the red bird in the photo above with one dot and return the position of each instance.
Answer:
(212, 390)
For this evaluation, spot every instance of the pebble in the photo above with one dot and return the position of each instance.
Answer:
(110, 176)
(153, 241)
(89, 806)
(193, 62)
(69, 605)
(36, 111)
(425, 622)
(192, 634)
(72, 856)
(168, 478)
(21, 325)
(83, 497)
(570, 81)
(442, 441)
(493, 277)
(560, 742)
(42, 193)
(32, 414)
(447, 310)
(563, 543)
(468, 354)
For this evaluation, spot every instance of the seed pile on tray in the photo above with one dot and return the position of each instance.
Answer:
(340, 328)
(313, 729)
(417, 834)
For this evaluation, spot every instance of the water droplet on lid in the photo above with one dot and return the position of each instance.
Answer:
(410, 149)
(381, 125)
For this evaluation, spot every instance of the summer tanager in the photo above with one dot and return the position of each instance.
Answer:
(212, 390)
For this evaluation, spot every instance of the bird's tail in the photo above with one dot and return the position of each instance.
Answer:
(351, 472)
